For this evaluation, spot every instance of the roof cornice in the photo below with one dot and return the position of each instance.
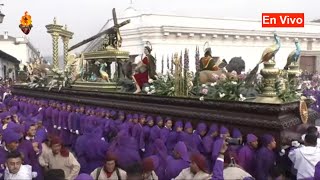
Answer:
(216, 31)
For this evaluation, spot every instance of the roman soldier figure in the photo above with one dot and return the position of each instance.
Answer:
(209, 63)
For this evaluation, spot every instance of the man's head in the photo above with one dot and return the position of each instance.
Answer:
(142, 119)
(268, 141)
(188, 128)
(56, 145)
(150, 121)
(252, 141)
(147, 50)
(110, 163)
(202, 129)
(14, 161)
(313, 130)
(178, 126)
(207, 52)
(310, 140)
(6, 118)
(31, 129)
(168, 123)
(135, 118)
(159, 121)
(11, 139)
(69, 107)
(82, 109)
(148, 165)
(198, 163)
(224, 132)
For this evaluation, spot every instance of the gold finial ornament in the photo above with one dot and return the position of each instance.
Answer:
(304, 114)
(54, 20)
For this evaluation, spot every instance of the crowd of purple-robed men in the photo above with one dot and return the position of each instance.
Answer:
(92, 131)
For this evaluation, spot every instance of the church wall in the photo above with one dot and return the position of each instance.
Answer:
(227, 37)
(224, 47)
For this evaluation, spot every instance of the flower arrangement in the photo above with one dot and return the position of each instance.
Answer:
(225, 87)
(287, 91)
(164, 85)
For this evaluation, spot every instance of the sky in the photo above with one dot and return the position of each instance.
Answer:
(86, 17)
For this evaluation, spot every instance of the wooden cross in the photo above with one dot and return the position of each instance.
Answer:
(116, 26)
(114, 29)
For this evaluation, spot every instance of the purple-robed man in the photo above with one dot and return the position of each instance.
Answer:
(209, 139)
(178, 162)
(137, 133)
(95, 155)
(190, 139)
(126, 150)
(146, 134)
(160, 150)
(208, 142)
(155, 130)
(47, 122)
(200, 133)
(246, 157)
(74, 125)
(164, 132)
(265, 158)
(126, 126)
(224, 133)
(233, 149)
(41, 130)
(112, 125)
(119, 121)
(31, 149)
(174, 137)
(55, 119)
(63, 124)
(11, 140)
(80, 148)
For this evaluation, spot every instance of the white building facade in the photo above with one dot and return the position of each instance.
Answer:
(18, 47)
(8, 66)
(227, 38)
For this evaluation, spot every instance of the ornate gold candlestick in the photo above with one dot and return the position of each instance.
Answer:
(270, 75)
(293, 72)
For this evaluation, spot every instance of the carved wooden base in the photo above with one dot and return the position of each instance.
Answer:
(281, 120)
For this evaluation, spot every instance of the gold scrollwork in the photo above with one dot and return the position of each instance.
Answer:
(304, 115)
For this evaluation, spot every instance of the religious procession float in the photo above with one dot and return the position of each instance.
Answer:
(257, 102)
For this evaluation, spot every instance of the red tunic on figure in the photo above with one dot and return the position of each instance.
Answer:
(142, 78)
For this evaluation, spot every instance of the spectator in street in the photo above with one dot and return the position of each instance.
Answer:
(148, 169)
(110, 170)
(11, 140)
(306, 157)
(15, 170)
(61, 158)
(197, 170)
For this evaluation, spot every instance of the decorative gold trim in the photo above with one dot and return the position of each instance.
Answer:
(108, 53)
(303, 111)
